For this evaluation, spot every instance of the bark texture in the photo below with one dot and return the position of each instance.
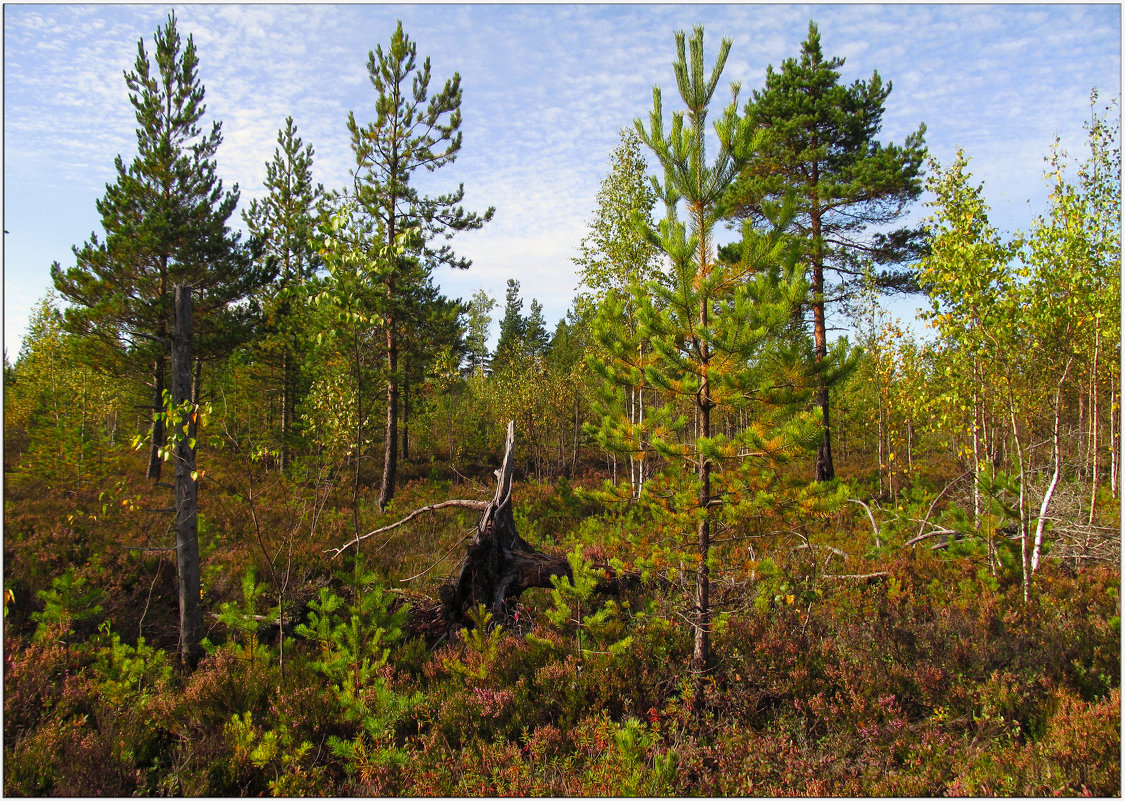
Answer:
(187, 532)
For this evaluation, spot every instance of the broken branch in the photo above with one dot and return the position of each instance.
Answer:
(464, 504)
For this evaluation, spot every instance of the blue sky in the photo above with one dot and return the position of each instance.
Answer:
(546, 89)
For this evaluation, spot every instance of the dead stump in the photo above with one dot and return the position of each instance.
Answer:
(499, 564)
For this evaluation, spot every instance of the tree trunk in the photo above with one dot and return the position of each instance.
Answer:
(187, 535)
(1056, 453)
(824, 469)
(499, 564)
(390, 448)
(286, 405)
(358, 455)
(156, 440)
(1114, 434)
(879, 436)
(405, 418)
(978, 416)
(1094, 431)
(701, 653)
(1025, 549)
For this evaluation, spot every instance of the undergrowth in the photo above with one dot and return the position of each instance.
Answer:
(886, 671)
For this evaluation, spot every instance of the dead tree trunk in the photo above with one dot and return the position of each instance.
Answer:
(499, 564)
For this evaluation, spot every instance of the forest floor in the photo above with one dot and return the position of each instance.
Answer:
(839, 667)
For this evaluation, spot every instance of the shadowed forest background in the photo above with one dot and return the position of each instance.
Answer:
(261, 534)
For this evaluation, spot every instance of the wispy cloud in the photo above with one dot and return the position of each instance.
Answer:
(546, 87)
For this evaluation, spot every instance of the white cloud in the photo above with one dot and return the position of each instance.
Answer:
(546, 88)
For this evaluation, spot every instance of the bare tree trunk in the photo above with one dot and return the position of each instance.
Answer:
(577, 429)
(187, 534)
(1094, 429)
(405, 418)
(879, 435)
(358, 455)
(977, 418)
(824, 468)
(1040, 524)
(910, 445)
(1083, 446)
(1114, 434)
(701, 654)
(1025, 550)
(286, 405)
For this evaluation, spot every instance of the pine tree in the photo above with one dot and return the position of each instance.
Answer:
(819, 142)
(284, 221)
(165, 221)
(412, 129)
(710, 327)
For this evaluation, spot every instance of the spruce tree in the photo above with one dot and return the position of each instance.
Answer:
(513, 328)
(285, 221)
(818, 142)
(412, 129)
(536, 340)
(165, 222)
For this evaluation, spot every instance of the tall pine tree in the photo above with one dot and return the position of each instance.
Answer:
(285, 221)
(818, 142)
(165, 222)
(412, 129)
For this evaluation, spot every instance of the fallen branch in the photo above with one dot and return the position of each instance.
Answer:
(871, 517)
(881, 574)
(929, 511)
(935, 533)
(463, 504)
(438, 562)
(810, 546)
